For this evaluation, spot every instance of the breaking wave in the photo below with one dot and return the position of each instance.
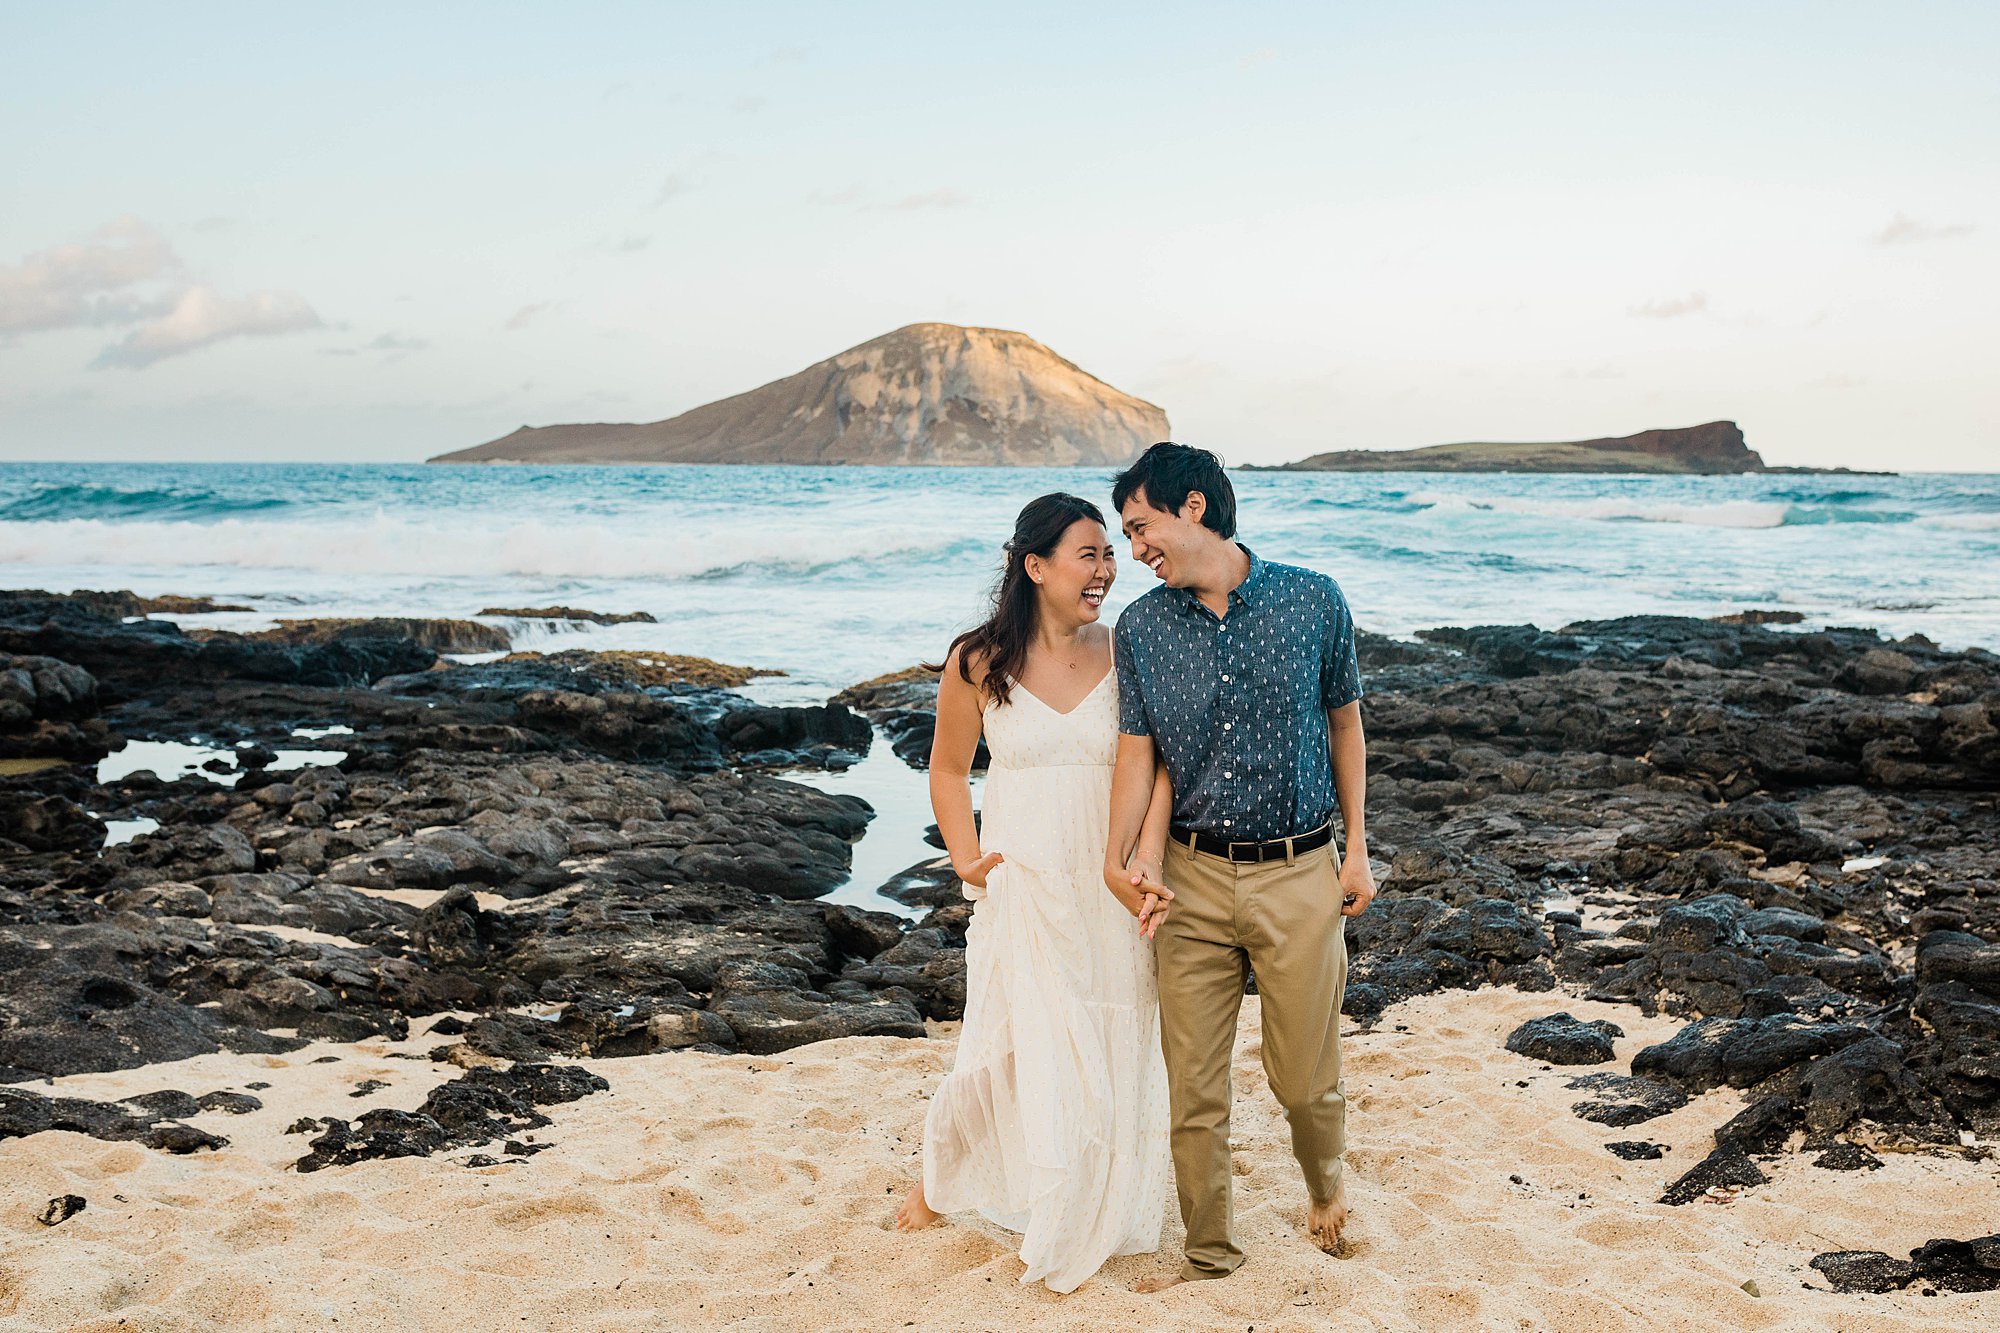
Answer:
(464, 547)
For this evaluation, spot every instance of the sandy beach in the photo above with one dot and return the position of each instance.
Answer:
(755, 1193)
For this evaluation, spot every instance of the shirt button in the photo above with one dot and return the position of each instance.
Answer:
(1228, 775)
(1227, 725)
(1225, 823)
(1225, 680)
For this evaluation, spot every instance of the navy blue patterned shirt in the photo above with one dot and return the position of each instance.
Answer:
(1236, 705)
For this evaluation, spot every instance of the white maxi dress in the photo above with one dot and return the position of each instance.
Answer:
(1053, 1120)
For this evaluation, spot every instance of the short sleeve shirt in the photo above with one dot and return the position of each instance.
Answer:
(1236, 705)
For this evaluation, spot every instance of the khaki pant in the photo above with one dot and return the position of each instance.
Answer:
(1282, 921)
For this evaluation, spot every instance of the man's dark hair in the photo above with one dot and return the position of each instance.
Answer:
(1169, 473)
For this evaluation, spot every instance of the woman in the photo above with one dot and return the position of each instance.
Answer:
(1053, 1121)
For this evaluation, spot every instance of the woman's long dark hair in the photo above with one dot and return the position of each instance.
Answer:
(1002, 642)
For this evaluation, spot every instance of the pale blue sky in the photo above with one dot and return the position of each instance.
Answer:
(382, 231)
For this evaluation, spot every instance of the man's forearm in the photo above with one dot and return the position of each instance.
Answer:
(1349, 747)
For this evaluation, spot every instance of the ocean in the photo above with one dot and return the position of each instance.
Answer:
(839, 574)
(833, 576)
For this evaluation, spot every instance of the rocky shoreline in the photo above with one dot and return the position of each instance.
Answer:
(1786, 838)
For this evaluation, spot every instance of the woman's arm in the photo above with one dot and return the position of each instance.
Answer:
(1149, 860)
(960, 713)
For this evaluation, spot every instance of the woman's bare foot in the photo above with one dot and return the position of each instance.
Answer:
(1146, 1286)
(1325, 1220)
(915, 1214)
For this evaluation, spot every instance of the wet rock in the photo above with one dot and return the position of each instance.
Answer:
(789, 735)
(439, 636)
(927, 964)
(903, 707)
(179, 853)
(48, 709)
(35, 823)
(166, 897)
(142, 654)
(86, 998)
(572, 613)
(1563, 1040)
(433, 859)
(932, 883)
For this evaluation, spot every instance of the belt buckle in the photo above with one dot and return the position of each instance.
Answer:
(1230, 850)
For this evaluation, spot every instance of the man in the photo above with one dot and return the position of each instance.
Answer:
(1240, 675)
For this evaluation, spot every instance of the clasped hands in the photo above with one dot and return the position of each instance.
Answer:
(1137, 887)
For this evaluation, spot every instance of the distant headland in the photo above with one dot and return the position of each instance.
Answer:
(1715, 448)
(926, 394)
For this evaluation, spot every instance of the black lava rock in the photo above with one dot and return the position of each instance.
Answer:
(1621, 1100)
(61, 1209)
(1636, 1150)
(1726, 1167)
(1563, 1040)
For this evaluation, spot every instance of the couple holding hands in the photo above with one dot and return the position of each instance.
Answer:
(1158, 825)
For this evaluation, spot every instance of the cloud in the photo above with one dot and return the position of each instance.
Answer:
(1250, 60)
(846, 196)
(629, 245)
(203, 316)
(673, 187)
(87, 282)
(945, 198)
(527, 314)
(393, 346)
(749, 104)
(1691, 304)
(1903, 230)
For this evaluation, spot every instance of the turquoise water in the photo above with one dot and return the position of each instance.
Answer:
(835, 575)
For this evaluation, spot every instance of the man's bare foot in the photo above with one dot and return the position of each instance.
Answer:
(915, 1214)
(1148, 1285)
(1325, 1220)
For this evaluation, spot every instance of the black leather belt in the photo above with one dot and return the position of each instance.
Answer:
(1271, 850)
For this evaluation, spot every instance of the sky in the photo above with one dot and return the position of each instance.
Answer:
(376, 232)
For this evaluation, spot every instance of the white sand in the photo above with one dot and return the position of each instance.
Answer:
(710, 1191)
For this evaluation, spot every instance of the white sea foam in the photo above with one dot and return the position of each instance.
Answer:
(1986, 522)
(463, 546)
(1721, 514)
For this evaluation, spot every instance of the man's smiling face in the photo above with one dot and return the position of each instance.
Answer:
(1162, 541)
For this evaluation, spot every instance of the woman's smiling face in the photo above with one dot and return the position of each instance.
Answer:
(1074, 579)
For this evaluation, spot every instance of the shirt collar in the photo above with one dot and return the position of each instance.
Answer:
(1243, 594)
(1253, 582)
